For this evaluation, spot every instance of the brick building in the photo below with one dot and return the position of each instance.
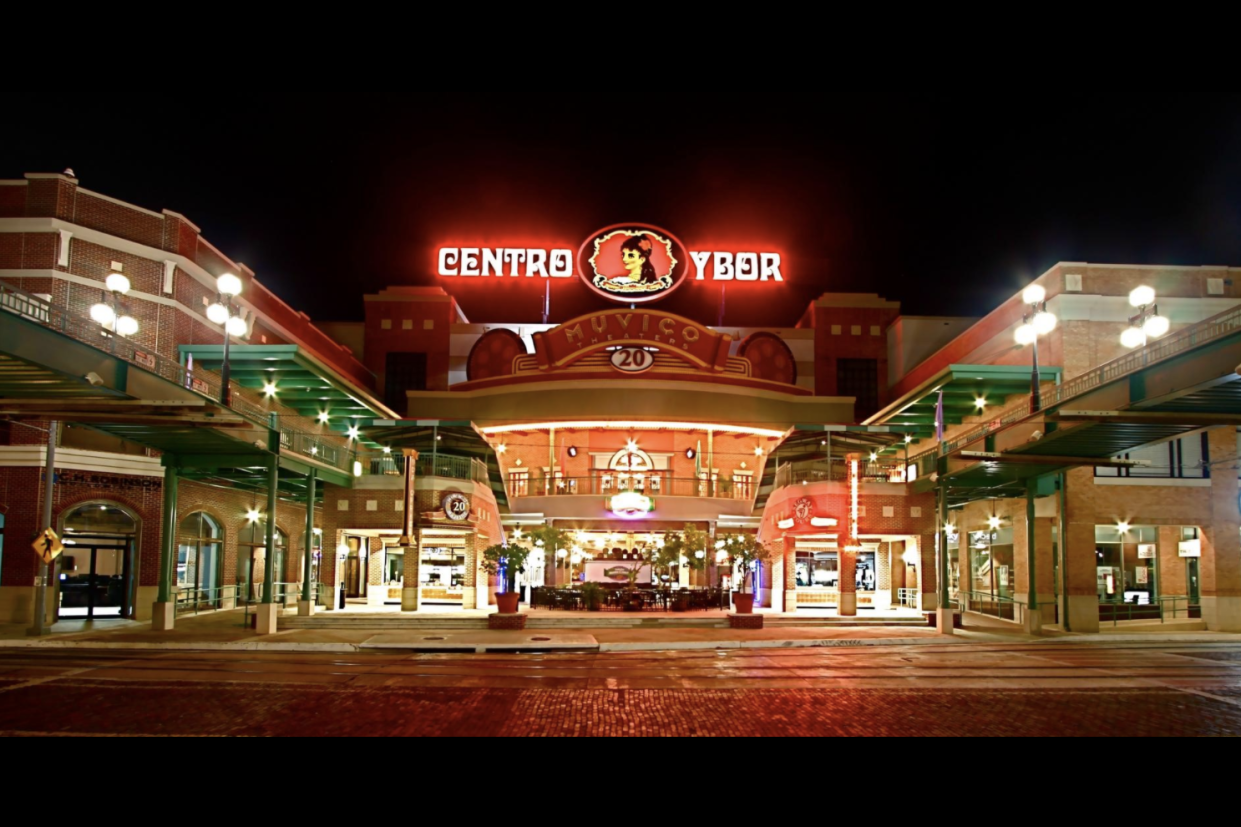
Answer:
(618, 427)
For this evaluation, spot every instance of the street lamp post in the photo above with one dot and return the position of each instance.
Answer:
(112, 314)
(221, 313)
(1036, 321)
(1147, 324)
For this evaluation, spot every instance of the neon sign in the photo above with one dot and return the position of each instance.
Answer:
(630, 263)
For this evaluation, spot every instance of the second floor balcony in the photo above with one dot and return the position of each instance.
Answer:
(608, 485)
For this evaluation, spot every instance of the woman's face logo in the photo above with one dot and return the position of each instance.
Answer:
(633, 263)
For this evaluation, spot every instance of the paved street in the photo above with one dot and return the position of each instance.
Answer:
(953, 689)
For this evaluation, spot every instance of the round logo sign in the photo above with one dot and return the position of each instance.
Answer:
(633, 359)
(633, 263)
(457, 507)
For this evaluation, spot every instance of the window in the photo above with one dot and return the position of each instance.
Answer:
(519, 483)
(404, 372)
(859, 378)
(252, 561)
(199, 545)
(1126, 564)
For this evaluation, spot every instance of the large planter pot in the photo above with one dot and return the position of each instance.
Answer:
(508, 602)
(744, 603)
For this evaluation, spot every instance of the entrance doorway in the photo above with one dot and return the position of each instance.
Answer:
(94, 577)
(356, 574)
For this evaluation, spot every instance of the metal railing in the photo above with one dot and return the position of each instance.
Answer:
(838, 471)
(453, 468)
(997, 606)
(197, 601)
(1147, 611)
(650, 486)
(1208, 330)
(908, 598)
(89, 332)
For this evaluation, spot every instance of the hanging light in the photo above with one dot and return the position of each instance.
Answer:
(354, 432)
(117, 283)
(980, 403)
(103, 314)
(269, 389)
(127, 325)
(1142, 296)
(1026, 335)
(387, 449)
(1133, 337)
(323, 417)
(994, 523)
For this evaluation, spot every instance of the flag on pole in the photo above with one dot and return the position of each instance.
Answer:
(939, 417)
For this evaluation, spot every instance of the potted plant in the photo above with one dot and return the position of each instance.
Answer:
(592, 596)
(744, 551)
(511, 560)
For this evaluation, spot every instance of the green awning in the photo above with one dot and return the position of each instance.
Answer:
(300, 382)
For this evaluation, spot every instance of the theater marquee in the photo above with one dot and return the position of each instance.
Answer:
(628, 263)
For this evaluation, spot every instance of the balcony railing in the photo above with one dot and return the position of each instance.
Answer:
(837, 470)
(651, 487)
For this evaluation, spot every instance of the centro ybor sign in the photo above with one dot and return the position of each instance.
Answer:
(630, 263)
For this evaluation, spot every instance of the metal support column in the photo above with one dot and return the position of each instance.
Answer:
(945, 584)
(308, 567)
(269, 571)
(168, 540)
(38, 628)
(1031, 551)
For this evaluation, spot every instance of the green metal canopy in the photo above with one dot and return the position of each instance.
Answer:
(443, 438)
(298, 379)
(964, 387)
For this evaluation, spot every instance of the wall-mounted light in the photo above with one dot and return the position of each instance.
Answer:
(758, 452)
(1123, 527)
(572, 451)
(691, 453)
(994, 523)
(501, 448)
(357, 468)
(253, 516)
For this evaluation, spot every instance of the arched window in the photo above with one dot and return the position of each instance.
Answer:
(199, 554)
(252, 559)
(633, 468)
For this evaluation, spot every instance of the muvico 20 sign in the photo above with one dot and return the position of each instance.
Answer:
(629, 263)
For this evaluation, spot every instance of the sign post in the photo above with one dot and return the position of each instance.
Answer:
(45, 543)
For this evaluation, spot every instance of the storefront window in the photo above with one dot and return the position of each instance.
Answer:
(441, 576)
(199, 547)
(1127, 564)
(954, 566)
(394, 565)
(252, 560)
(818, 570)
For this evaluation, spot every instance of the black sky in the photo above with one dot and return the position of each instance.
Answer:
(948, 206)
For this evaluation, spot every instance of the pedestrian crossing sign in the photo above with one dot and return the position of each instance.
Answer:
(48, 546)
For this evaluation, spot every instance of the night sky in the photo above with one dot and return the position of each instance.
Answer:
(946, 206)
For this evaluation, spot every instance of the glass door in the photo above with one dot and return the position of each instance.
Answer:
(94, 582)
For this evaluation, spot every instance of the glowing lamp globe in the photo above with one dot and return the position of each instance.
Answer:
(127, 325)
(217, 313)
(236, 326)
(117, 283)
(1142, 296)
(1033, 294)
(228, 285)
(1044, 323)
(1026, 335)
(1133, 337)
(1156, 326)
(102, 314)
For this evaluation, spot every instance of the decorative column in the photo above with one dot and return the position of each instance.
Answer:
(945, 618)
(306, 608)
(410, 541)
(849, 551)
(1033, 547)
(1220, 566)
(164, 616)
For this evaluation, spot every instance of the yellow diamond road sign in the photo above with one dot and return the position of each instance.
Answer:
(48, 546)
